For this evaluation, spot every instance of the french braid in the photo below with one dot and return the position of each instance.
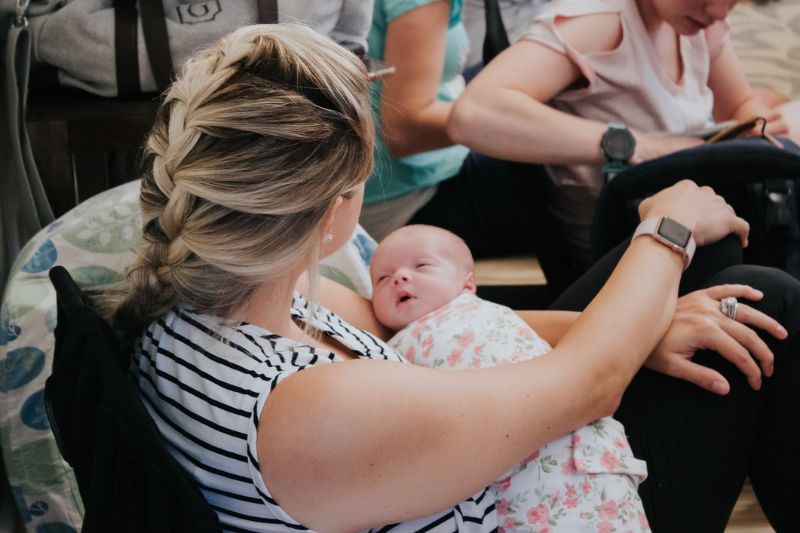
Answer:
(253, 144)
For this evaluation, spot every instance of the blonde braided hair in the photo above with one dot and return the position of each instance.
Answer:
(253, 144)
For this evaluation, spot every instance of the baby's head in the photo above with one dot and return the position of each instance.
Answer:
(417, 269)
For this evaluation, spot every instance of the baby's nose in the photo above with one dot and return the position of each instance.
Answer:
(400, 275)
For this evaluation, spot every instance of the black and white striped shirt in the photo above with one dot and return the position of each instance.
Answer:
(205, 384)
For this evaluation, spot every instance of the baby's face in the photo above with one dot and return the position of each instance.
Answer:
(414, 272)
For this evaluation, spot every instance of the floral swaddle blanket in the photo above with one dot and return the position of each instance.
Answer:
(583, 481)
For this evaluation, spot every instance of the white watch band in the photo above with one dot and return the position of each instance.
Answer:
(651, 226)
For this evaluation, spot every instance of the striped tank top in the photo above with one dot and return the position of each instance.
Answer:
(205, 384)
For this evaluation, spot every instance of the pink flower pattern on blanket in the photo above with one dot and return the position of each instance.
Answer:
(583, 481)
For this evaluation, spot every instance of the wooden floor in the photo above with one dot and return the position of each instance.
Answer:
(747, 516)
(522, 270)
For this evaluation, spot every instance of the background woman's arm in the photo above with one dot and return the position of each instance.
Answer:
(413, 119)
(734, 97)
(504, 111)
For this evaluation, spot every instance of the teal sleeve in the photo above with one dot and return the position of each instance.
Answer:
(394, 8)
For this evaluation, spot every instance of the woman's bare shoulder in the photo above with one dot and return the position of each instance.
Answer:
(595, 32)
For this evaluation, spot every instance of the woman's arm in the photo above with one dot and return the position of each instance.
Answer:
(549, 325)
(360, 444)
(507, 100)
(413, 120)
(503, 112)
(352, 307)
(357, 311)
(363, 443)
(734, 97)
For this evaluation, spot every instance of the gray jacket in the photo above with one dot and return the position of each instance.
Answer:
(78, 36)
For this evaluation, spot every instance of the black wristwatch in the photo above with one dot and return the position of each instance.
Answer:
(617, 145)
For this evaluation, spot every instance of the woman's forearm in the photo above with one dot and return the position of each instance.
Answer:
(463, 429)
(413, 119)
(511, 125)
(621, 326)
(503, 111)
(412, 130)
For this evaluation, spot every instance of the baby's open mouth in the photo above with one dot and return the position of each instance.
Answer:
(404, 298)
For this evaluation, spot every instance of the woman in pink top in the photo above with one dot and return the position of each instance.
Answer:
(657, 66)
(662, 67)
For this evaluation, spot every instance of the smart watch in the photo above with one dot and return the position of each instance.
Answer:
(617, 145)
(670, 233)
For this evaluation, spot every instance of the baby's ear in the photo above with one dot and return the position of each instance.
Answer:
(469, 283)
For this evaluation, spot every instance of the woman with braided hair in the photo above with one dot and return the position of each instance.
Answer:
(289, 411)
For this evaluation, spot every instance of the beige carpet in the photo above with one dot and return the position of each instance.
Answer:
(767, 38)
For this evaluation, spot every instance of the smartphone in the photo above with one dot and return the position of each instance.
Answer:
(712, 130)
(742, 128)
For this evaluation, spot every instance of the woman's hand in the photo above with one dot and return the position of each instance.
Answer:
(698, 208)
(650, 146)
(777, 124)
(700, 324)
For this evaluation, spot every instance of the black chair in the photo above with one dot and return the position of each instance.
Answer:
(758, 179)
(83, 143)
(128, 480)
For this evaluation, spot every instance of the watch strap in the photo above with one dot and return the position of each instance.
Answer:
(612, 168)
(650, 226)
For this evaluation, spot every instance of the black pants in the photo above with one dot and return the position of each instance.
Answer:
(699, 446)
(498, 208)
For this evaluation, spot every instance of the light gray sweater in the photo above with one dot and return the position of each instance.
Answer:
(78, 37)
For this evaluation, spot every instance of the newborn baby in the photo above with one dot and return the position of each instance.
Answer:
(424, 289)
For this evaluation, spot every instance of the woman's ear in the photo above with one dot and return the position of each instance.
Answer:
(326, 225)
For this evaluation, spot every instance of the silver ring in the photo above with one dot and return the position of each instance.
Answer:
(728, 307)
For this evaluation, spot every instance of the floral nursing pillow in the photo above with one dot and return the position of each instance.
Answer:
(93, 242)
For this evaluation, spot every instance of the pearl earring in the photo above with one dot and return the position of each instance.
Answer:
(328, 237)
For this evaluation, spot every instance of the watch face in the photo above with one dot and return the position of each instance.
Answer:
(674, 232)
(618, 144)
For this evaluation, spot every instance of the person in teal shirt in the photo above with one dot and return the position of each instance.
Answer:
(420, 175)
(424, 168)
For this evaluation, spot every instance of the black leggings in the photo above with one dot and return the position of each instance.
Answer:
(699, 446)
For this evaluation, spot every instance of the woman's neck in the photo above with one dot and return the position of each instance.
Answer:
(664, 38)
(653, 23)
(271, 304)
